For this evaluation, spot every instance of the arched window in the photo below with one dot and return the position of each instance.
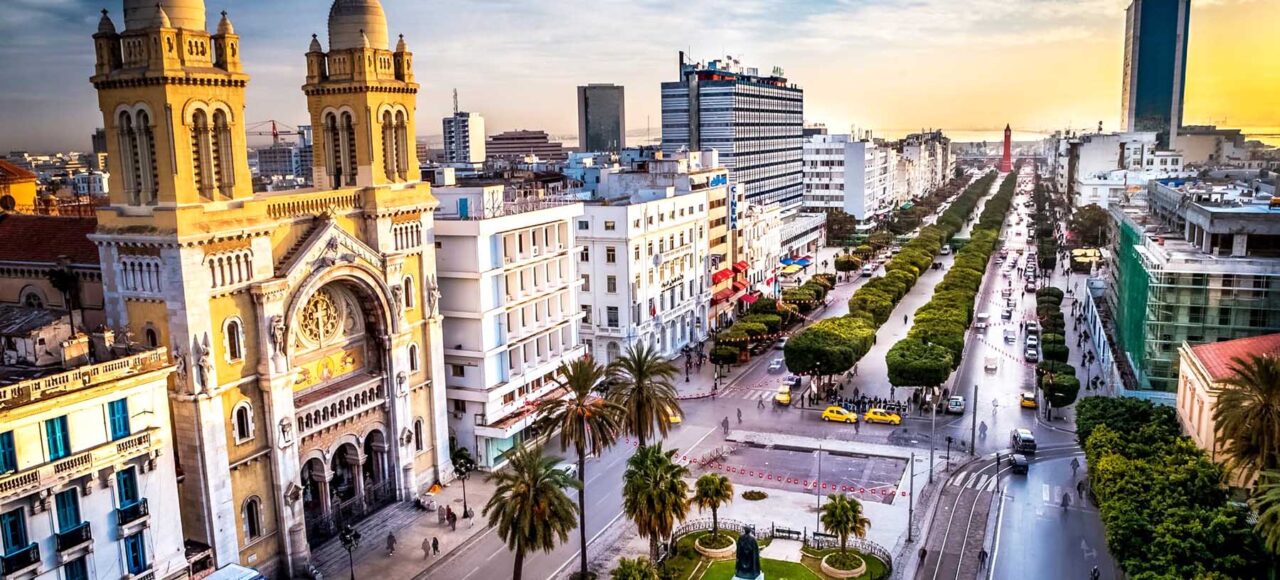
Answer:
(152, 340)
(388, 146)
(243, 421)
(333, 150)
(409, 300)
(414, 363)
(200, 154)
(402, 146)
(146, 155)
(32, 297)
(129, 156)
(418, 445)
(223, 167)
(350, 164)
(252, 516)
(233, 337)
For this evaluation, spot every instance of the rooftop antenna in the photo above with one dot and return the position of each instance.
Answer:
(455, 101)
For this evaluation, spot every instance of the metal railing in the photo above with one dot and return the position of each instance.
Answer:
(20, 560)
(75, 379)
(77, 536)
(132, 512)
(826, 542)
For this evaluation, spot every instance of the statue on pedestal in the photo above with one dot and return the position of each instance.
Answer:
(748, 566)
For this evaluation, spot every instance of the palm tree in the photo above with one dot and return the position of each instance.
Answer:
(1266, 503)
(585, 421)
(654, 493)
(634, 569)
(842, 515)
(1247, 415)
(529, 507)
(710, 492)
(642, 387)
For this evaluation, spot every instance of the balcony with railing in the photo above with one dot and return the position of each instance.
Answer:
(133, 513)
(20, 561)
(338, 402)
(26, 392)
(53, 473)
(77, 537)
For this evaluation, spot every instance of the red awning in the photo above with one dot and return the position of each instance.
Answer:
(749, 298)
(722, 295)
(770, 280)
(739, 286)
(721, 276)
(741, 267)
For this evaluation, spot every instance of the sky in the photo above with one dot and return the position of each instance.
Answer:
(885, 65)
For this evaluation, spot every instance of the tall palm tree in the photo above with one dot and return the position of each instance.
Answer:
(529, 507)
(1247, 415)
(1266, 502)
(710, 492)
(842, 516)
(587, 422)
(634, 569)
(654, 493)
(642, 387)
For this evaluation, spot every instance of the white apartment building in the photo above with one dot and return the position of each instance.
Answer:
(849, 174)
(91, 183)
(644, 263)
(87, 481)
(464, 138)
(759, 238)
(1096, 168)
(507, 290)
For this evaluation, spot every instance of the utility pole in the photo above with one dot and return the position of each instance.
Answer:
(818, 489)
(973, 430)
(911, 498)
(933, 427)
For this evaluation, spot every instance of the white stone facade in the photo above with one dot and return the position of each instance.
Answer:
(849, 174)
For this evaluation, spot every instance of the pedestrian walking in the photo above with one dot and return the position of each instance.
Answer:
(453, 522)
(760, 403)
(426, 548)
(857, 426)
(725, 425)
(1080, 488)
(1095, 574)
(739, 415)
(904, 318)
(855, 369)
(435, 546)
(391, 543)
(982, 558)
(923, 554)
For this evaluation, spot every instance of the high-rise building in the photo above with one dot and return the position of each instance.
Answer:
(464, 138)
(1155, 67)
(517, 145)
(602, 118)
(755, 121)
(849, 174)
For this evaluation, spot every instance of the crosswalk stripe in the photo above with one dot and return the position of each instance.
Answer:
(982, 481)
(1045, 491)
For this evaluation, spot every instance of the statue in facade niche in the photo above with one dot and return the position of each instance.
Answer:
(204, 363)
(433, 295)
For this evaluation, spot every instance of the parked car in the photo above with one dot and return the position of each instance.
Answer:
(955, 405)
(840, 414)
(1031, 354)
(783, 397)
(1027, 401)
(1033, 327)
(777, 364)
(1019, 464)
(876, 415)
(1033, 340)
(1022, 441)
(569, 468)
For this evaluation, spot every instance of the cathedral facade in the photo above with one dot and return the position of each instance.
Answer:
(304, 325)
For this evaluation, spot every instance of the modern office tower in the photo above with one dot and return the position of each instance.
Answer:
(602, 118)
(755, 121)
(464, 138)
(1155, 67)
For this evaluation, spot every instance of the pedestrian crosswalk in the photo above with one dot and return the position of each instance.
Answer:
(975, 480)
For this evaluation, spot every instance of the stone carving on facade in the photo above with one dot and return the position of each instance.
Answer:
(397, 299)
(292, 493)
(204, 364)
(319, 318)
(279, 340)
(433, 296)
(406, 437)
(286, 432)
(402, 379)
(179, 368)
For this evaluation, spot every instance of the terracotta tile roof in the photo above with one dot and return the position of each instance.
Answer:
(39, 238)
(12, 173)
(1216, 356)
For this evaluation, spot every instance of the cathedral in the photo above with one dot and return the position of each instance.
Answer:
(304, 325)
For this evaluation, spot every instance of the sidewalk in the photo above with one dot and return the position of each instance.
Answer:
(410, 527)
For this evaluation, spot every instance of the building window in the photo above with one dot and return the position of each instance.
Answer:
(68, 507)
(243, 415)
(611, 255)
(611, 284)
(252, 518)
(637, 252)
(127, 486)
(586, 254)
(586, 282)
(418, 443)
(609, 226)
(509, 398)
(118, 416)
(135, 553)
(234, 336)
(611, 316)
(14, 529)
(55, 431)
(152, 341)
(77, 569)
(586, 313)
(458, 370)
(409, 301)
(583, 225)
(414, 363)
(459, 406)
(8, 454)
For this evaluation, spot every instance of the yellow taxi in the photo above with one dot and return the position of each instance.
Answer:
(676, 419)
(784, 395)
(881, 416)
(1027, 400)
(834, 413)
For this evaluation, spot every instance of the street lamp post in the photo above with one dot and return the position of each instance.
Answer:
(817, 488)
(973, 430)
(350, 541)
(933, 427)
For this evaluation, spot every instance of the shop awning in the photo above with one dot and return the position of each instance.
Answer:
(749, 298)
(908, 205)
(741, 267)
(739, 286)
(803, 262)
(770, 280)
(787, 261)
(792, 269)
(723, 295)
(721, 276)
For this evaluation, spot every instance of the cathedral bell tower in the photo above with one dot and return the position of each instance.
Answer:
(362, 100)
(172, 101)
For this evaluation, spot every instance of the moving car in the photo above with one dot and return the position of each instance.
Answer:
(1010, 335)
(781, 344)
(569, 468)
(777, 364)
(1030, 285)
(1027, 400)
(955, 405)
(1031, 354)
(946, 250)
(867, 270)
(783, 397)
(1022, 441)
(876, 415)
(984, 320)
(1006, 314)
(792, 381)
(840, 414)
(990, 364)
(676, 419)
(1019, 463)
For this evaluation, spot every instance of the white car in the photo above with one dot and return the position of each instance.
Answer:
(955, 405)
(1032, 341)
(984, 320)
(777, 364)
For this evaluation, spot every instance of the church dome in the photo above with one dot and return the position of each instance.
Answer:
(142, 14)
(351, 20)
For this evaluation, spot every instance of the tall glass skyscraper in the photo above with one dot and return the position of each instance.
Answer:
(1155, 67)
(602, 118)
(755, 122)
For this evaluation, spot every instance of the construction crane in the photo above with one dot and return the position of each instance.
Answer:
(258, 130)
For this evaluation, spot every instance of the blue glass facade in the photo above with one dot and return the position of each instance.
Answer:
(1155, 66)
